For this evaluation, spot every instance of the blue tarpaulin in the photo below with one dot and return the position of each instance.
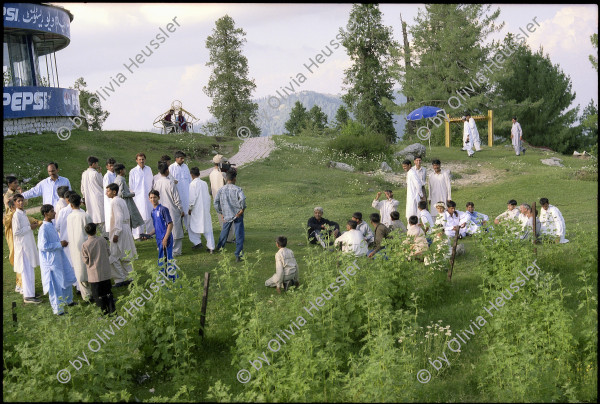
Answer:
(423, 112)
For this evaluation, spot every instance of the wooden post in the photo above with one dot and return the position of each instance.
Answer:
(14, 312)
(204, 301)
(447, 126)
(453, 254)
(534, 237)
(490, 127)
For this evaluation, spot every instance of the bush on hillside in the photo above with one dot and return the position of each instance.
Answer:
(359, 140)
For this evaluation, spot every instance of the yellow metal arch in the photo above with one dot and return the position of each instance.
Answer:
(489, 118)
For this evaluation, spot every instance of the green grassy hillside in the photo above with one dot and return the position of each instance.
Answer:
(281, 192)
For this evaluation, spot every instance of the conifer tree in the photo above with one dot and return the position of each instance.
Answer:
(369, 79)
(298, 119)
(229, 85)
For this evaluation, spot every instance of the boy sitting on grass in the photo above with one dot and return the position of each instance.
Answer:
(286, 267)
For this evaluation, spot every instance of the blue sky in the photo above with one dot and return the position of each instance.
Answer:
(281, 38)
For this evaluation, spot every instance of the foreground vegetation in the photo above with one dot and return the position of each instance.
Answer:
(369, 341)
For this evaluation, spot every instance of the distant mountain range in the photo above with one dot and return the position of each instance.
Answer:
(273, 112)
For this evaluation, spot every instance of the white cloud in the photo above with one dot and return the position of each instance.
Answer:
(567, 32)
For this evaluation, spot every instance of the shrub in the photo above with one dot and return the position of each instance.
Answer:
(357, 139)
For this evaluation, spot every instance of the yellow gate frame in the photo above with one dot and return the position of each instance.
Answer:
(489, 118)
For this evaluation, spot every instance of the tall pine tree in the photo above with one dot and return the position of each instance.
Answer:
(229, 85)
(446, 54)
(539, 94)
(369, 79)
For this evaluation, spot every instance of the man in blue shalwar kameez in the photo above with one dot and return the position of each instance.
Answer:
(58, 275)
(163, 228)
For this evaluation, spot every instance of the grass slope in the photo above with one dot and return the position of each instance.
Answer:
(281, 192)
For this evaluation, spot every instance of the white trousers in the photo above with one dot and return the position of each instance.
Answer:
(195, 238)
(28, 278)
(177, 244)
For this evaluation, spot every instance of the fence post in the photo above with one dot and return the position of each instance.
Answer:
(204, 301)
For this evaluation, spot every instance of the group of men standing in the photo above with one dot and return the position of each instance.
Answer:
(119, 213)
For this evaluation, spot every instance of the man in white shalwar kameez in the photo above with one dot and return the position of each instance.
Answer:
(180, 171)
(414, 190)
(26, 256)
(386, 207)
(140, 183)
(199, 212)
(108, 178)
(77, 236)
(516, 136)
(467, 137)
(57, 272)
(60, 223)
(476, 142)
(169, 198)
(552, 221)
(122, 246)
(439, 188)
(92, 192)
(352, 240)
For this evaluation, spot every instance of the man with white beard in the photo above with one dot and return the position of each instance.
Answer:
(199, 213)
(140, 183)
(181, 173)
(91, 191)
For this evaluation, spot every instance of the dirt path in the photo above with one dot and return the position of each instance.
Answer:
(483, 173)
(252, 149)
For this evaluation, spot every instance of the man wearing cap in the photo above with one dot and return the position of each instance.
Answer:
(516, 135)
(511, 212)
(474, 132)
(217, 181)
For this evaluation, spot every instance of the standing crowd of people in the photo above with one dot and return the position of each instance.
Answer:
(87, 248)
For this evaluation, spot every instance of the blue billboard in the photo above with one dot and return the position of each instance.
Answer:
(26, 102)
(36, 17)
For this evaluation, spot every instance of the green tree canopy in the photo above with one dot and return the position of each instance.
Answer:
(445, 64)
(298, 119)
(540, 94)
(91, 112)
(341, 117)
(369, 80)
(229, 85)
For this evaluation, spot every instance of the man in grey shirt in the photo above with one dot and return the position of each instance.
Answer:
(230, 203)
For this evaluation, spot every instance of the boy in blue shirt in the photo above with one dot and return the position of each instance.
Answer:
(163, 227)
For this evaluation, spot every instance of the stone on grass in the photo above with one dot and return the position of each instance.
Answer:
(553, 161)
(415, 149)
(341, 166)
(385, 167)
